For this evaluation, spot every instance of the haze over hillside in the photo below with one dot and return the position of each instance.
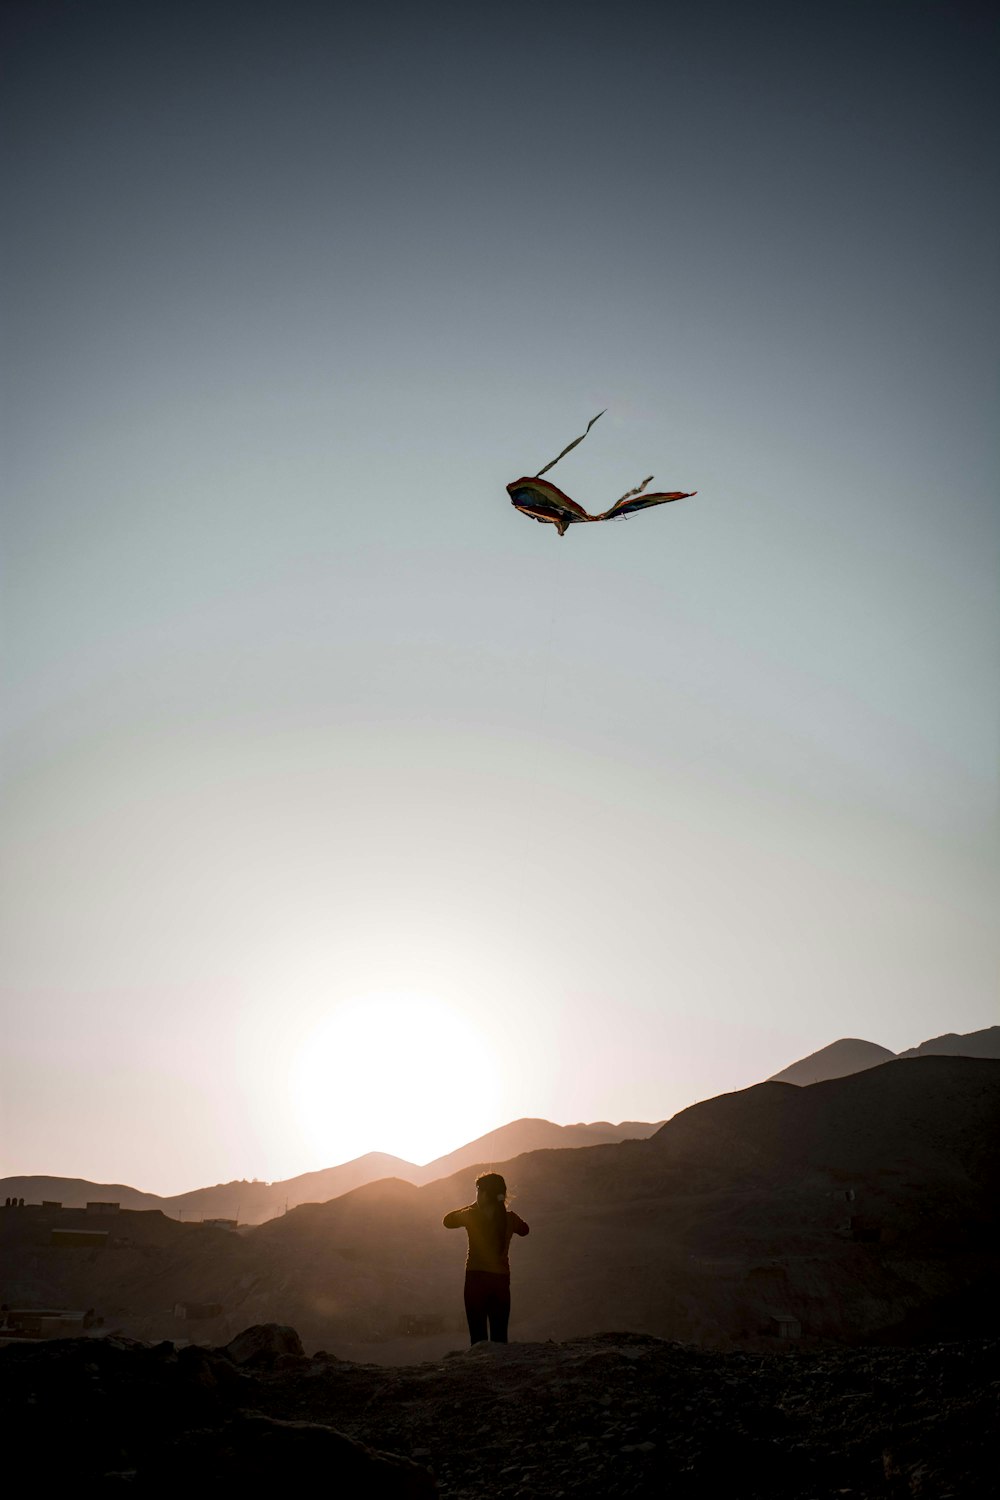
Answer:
(864, 1207)
(254, 1202)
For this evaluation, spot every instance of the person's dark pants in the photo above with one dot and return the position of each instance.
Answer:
(487, 1302)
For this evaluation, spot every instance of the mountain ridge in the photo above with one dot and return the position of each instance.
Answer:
(735, 1210)
(984, 1043)
(254, 1202)
(853, 1054)
(864, 1208)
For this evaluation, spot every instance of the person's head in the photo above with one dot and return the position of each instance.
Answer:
(491, 1191)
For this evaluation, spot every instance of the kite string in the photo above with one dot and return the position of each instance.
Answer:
(531, 797)
(547, 637)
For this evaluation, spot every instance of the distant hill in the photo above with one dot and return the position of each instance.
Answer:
(734, 1211)
(77, 1191)
(838, 1060)
(530, 1135)
(852, 1055)
(255, 1202)
(984, 1043)
(866, 1208)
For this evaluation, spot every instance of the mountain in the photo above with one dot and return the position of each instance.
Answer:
(77, 1191)
(530, 1135)
(734, 1212)
(984, 1043)
(863, 1208)
(852, 1055)
(849, 1055)
(255, 1202)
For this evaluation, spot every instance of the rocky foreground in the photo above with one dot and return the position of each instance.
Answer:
(615, 1414)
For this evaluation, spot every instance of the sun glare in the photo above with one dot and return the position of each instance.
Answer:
(397, 1072)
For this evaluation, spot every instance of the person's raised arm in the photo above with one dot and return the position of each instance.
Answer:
(518, 1226)
(456, 1219)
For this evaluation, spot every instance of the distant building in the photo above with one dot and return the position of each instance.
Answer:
(46, 1322)
(231, 1224)
(785, 1326)
(197, 1310)
(50, 1203)
(104, 1208)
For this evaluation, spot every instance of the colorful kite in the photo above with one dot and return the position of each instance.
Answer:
(542, 501)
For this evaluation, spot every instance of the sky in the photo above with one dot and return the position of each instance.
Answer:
(345, 808)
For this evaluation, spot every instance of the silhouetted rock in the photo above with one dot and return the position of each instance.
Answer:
(260, 1451)
(99, 1412)
(263, 1343)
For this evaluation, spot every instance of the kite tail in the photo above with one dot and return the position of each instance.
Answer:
(628, 495)
(570, 446)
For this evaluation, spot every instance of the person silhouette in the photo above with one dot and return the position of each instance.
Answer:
(490, 1225)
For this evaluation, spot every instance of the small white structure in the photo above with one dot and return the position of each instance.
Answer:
(46, 1322)
(786, 1326)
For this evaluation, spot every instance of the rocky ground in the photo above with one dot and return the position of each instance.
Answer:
(611, 1415)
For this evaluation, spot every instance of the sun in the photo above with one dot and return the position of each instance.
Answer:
(394, 1071)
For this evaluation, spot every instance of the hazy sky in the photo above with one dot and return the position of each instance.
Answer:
(344, 807)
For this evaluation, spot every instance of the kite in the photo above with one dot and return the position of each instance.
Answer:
(535, 497)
